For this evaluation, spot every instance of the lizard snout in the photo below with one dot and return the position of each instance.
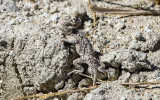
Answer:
(65, 25)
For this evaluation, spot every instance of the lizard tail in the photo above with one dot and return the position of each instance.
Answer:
(95, 77)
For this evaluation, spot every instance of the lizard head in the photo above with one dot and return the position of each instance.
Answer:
(66, 26)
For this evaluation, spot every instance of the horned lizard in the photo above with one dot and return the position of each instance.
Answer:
(83, 47)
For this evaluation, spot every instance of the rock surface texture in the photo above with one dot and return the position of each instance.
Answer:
(34, 59)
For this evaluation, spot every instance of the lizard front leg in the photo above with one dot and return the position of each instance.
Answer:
(77, 63)
(71, 40)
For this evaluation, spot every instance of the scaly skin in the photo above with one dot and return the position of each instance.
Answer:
(83, 47)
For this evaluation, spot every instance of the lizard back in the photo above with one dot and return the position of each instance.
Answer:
(84, 47)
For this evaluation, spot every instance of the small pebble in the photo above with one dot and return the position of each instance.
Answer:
(12, 22)
(53, 10)
(34, 6)
(119, 26)
(139, 99)
(148, 29)
(26, 20)
(25, 13)
(27, 7)
(46, 2)
(55, 18)
(11, 53)
(46, 9)
(48, 21)
(1, 83)
(134, 45)
(138, 35)
(123, 98)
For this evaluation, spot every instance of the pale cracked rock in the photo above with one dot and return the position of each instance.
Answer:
(114, 91)
(40, 58)
(134, 45)
(149, 42)
(85, 83)
(53, 9)
(135, 78)
(154, 59)
(113, 74)
(72, 82)
(9, 6)
(152, 76)
(94, 97)
(127, 59)
(125, 76)
(137, 35)
(76, 96)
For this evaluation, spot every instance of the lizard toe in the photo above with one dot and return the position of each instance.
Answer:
(104, 72)
(75, 71)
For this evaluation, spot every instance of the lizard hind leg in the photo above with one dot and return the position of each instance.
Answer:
(94, 76)
(77, 63)
(102, 68)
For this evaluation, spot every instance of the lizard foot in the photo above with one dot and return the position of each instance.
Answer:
(104, 71)
(75, 71)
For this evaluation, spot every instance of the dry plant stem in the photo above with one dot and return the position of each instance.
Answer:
(89, 1)
(118, 11)
(54, 94)
(71, 91)
(95, 8)
(158, 2)
(91, 77)
(141, 83)
(94, 19)
(26, 97)
(65, 92)
(93, 12)
(59, 93)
